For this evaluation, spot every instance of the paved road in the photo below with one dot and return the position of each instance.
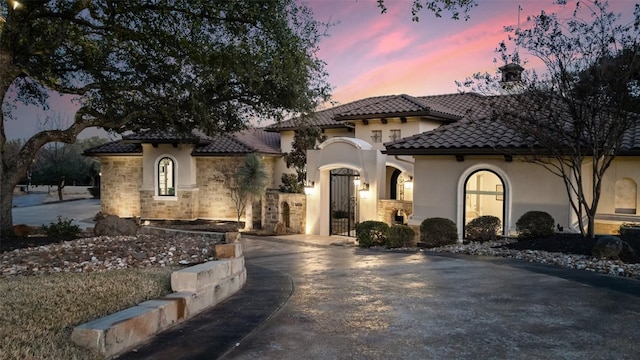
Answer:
(351, 303)
(81, 211)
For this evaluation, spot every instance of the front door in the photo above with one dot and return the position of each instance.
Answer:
(343, 210)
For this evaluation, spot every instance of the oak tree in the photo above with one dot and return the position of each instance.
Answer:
(181, 64)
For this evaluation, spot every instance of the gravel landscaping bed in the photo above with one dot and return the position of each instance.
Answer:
(564, 259)
(101, 253)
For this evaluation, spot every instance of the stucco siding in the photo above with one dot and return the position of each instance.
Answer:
(527, 187)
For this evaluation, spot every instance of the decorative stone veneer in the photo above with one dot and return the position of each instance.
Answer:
(120, 185)
(273, 210)
(182, 207)
(215, 198)
(387, 210)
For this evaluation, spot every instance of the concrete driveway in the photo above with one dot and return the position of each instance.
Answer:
(350, 303)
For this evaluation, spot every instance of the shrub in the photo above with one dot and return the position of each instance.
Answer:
(535, 223)
(370, 233)
(291, 185)
(63, 229)
(437, 231)
(94, 191)
(483, 228)
(399, 236)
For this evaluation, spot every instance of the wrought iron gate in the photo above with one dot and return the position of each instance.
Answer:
(344, 212)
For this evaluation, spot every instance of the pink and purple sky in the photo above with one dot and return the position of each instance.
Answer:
(370, 54)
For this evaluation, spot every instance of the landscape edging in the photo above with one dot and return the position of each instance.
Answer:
(121, 331)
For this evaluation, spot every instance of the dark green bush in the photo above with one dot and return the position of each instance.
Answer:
(399, 236)
(94, 191)
(437, 231)
(63, 229)
(371, 233)
(535, 223)
(483, 228)
(291, 185)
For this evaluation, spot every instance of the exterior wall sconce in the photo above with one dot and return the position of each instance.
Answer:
(409, 183)
(309, 187)
(364, 192)
(356, 181)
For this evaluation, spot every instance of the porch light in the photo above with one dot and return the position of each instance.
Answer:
(409, 183)
(364, 192)
(356, 181)
(309, 187)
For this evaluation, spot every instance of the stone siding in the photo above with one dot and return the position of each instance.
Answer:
(183, 207)
(387, 210)
(273, 210)
(215, 197)
(120, 185)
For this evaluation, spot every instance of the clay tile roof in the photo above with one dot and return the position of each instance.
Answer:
(223, 144)
(397, 105)
(119, 147)
(164, 136)
(260, 140)
(325, 118)
(482, 136)
(239, 143)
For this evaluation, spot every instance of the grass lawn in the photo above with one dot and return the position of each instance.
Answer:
(38, 313)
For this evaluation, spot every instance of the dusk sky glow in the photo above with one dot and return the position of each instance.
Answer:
(370, 54)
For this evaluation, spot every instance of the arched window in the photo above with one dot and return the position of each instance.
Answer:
(626, 196)
(484, 195)
(166, 177)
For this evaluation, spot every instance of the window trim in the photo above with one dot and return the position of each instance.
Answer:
(156, 192)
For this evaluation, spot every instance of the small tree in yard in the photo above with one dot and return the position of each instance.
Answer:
(252, 179)
(306, 137)
(572, 119)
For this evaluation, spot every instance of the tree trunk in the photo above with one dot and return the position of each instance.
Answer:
(248, 214)
(60, 187)
(7, 185)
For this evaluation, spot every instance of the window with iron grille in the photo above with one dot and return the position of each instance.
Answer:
(395, 135)
(376, 136)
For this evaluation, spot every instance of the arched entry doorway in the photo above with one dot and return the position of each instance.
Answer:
(343, 202)
(484, 194)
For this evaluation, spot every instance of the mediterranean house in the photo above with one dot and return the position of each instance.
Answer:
(396, 158)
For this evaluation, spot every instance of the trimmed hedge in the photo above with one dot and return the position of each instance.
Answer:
(371, 233)
(399, 236)
(483, 228)
(535, 223)
(438, 231)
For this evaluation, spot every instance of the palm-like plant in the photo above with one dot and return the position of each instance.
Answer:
(252, 178)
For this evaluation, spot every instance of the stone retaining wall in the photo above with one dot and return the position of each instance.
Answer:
(196, 288)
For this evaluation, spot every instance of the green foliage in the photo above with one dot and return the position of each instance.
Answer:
(371, 233)
(63, 229)
(535, 223)
(306, 137)
(94, 191)
(399, 236)
(437, 231)
(437, 7)
(483, 228)
(291, 185)
(252, 176)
